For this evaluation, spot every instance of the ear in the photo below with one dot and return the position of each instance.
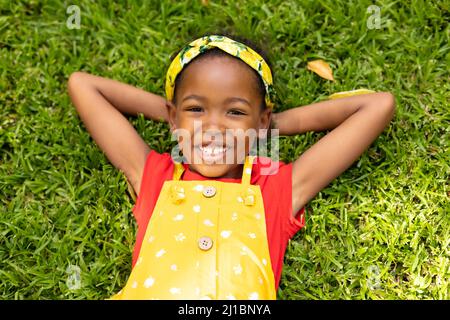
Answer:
(265, 119)
(172, 112)
(264, 122)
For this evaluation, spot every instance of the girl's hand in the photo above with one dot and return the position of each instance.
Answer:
(100, 103)
(356, 122)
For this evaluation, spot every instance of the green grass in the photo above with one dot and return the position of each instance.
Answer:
(379, 231)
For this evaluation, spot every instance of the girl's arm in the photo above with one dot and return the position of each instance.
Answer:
(101, 103)
(355, 122)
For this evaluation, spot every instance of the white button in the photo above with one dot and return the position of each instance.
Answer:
(205, 243)
(209, 191)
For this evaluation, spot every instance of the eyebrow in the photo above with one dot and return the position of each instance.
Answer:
(228, 100)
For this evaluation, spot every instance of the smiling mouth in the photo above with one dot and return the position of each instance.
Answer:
(211, 153)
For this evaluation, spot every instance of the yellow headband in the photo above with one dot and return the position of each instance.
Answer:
(234, 48)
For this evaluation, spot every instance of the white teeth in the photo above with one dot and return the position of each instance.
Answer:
(212, 150)
(212, 153)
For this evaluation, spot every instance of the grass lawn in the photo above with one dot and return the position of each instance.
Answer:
(379, 231)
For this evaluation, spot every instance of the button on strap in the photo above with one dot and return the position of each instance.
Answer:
(209, 191)
(205, 243)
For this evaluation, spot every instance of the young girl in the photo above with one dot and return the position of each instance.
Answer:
(216, 229)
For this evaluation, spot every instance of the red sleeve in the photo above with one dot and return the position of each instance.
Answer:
(144, 186)
(295, 223)
(276, 189)
(158, 168)
(291, 225)
(277, 192)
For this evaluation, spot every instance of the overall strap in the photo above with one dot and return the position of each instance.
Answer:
(177, 171)
(247, 171)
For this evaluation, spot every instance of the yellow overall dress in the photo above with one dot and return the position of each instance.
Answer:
(205, 240)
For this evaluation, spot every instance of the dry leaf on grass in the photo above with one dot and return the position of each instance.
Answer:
(350, 93)
(321, 68)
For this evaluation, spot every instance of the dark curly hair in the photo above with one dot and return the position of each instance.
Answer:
(216, 52)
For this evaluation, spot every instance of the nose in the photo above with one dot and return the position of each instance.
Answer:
(213, 121)
(213, 128)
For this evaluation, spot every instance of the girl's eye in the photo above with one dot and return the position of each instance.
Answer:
(236, 112)
(195, 109)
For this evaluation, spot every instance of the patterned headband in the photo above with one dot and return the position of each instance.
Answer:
(234, 48)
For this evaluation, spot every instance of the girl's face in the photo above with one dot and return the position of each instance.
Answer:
(217, 96)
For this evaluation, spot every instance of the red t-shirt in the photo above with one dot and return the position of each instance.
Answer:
(276, 192)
